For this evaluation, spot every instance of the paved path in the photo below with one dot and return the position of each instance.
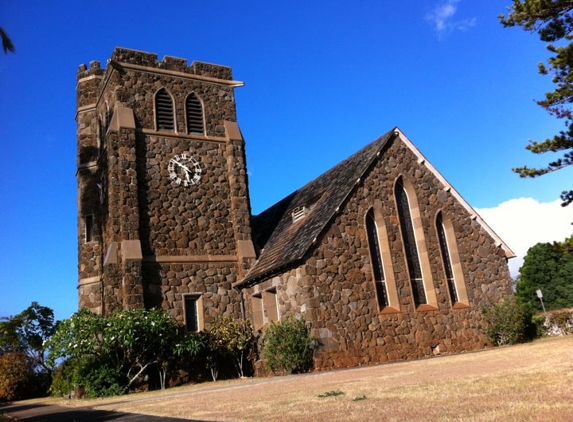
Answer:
(53, 413)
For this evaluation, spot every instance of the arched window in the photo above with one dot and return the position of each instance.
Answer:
(164, 118)
(376, 259)
(451, 260)
(410, 248)
(446, 258)
(194, 109)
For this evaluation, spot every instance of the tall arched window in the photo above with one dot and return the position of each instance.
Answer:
(451, 259)
(164, 117)
(376, 259)
(409, 239)
(194, 109)
(446, 258)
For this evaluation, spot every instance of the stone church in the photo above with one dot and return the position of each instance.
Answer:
(380, 255)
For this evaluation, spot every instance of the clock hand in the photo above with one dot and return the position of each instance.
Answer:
(187, 171)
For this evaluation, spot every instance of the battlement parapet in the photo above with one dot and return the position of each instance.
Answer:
(141, 58)
(90, 77)
(211, 70)
(94, 69)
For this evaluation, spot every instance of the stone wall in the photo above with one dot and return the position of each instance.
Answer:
(166, 284)
(90, 257)
(334, 290)
(178, 220)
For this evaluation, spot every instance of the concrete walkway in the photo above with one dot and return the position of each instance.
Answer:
(52, 413)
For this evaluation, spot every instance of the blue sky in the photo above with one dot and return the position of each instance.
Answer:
(322, 79)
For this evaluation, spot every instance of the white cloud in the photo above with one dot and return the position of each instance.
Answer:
(442, 18)
(523, 222)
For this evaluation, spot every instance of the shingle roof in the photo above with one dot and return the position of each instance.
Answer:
(282, 242)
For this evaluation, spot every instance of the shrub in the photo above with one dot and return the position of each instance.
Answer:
(233, 338)
(63, 379)
(539, 328)
(18, 380)
(99, 378)
(288, 347)
(118, 350)
(87, 377)
(507, 322)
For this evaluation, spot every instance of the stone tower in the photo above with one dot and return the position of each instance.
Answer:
(163, 201)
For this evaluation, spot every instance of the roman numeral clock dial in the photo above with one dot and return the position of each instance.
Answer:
(184, 170)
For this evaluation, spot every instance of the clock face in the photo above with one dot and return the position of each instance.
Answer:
(184, 170)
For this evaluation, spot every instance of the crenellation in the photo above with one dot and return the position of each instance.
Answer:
(85, 72)
(150, 60)
(141, 58)
(211, 70)
(174, 63)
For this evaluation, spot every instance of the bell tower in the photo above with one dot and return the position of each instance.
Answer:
(163, 201)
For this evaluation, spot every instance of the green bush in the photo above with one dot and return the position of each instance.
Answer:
(63, 379)
(87, 377)
(539, 328)
(117, 350)
(288, 347)
(508, 322)
(99, 379)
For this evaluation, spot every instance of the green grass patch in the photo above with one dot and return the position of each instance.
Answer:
(333, 393)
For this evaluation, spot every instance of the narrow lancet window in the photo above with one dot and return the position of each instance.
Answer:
(446, 258)
(194, 115)
(410, 248)
(164, 117)
(89, 228)
(376, 259)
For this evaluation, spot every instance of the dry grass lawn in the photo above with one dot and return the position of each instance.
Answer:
(529, 382)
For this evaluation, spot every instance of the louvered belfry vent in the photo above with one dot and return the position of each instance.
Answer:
(164, 111)
(194, 115)
(299, 213)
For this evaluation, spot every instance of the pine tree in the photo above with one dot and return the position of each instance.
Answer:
(553, 21)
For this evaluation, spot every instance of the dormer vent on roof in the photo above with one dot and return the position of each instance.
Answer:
(299, 213)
